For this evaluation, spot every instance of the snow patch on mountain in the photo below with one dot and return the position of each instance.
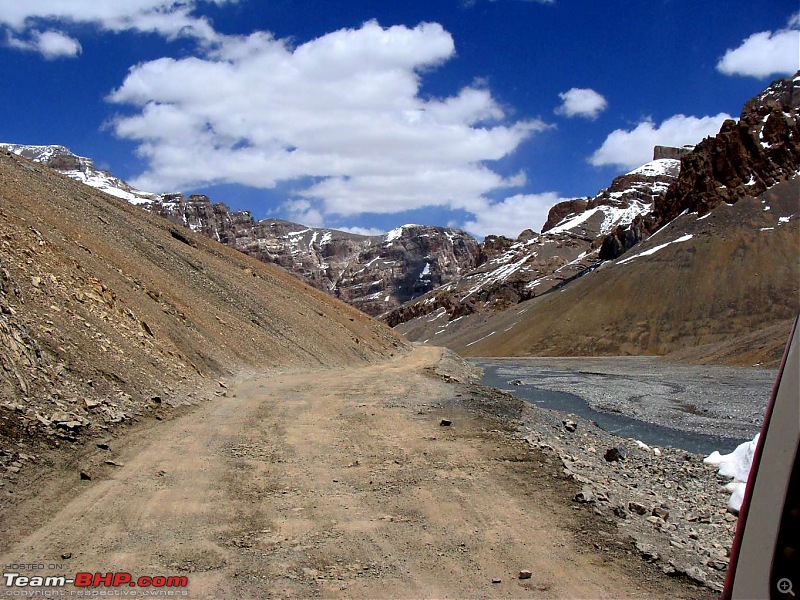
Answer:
(651, 251)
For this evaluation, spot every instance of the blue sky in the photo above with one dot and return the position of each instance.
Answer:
(366, 115)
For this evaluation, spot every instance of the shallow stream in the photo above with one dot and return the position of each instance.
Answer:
(695, 408)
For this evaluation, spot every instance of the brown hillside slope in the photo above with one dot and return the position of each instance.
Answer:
(104, 307)
(737, 275)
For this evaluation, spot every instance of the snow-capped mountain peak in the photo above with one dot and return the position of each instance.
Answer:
(80, 169)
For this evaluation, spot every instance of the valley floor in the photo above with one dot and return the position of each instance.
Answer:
(331, 483)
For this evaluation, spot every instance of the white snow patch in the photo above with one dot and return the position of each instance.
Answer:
(425, 271)
(397, 232)
(481, 339)
(299, 232)
(440, 312)
(784, 219)
(656, 168)
(767, 229)
(683, 238)
(735, 465)
(705, 216)
(574, 222)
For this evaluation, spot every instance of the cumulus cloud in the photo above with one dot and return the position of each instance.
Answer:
(512, 215)
(581, 102)
(362, 230)
(631, 149)
(766, 53)
(22, 21)
(50, 44)
(339, 116)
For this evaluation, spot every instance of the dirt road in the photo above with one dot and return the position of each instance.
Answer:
(325, 484)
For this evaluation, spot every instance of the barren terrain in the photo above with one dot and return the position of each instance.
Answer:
(329, 483)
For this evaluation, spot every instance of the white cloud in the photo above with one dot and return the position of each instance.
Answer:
(631, 149)
(50, 44)
(513, 215)
(343, 111)
(581, 102)
(765, 53)
(361, 230)
(22, 21)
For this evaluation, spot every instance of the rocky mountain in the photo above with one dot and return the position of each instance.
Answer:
(513, 271)
(373, 273)
(80, 169)
(709, 272)
(108, 312)
(745, 159)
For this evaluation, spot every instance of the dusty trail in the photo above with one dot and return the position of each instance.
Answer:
(323, 484)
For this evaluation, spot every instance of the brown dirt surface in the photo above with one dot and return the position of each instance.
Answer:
(331, 483)
(106, 311)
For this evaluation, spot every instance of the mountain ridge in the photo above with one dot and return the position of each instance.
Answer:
(373, 273)
(721, 273)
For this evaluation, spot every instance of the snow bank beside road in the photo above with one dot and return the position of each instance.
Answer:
(737, 466)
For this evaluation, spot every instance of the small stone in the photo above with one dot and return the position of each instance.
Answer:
(66, 555)
(156, 399)
(719, 565)
(620, 512)
(696, 574)
(497, 580)
(569, 425)
(85, 476)
(637, 508)
(525, 574)
(647, 552)
(661, 513)
(103, 446)
(614, 454)
(445, 423)
(585, 496)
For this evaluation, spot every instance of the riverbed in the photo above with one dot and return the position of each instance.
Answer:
(695, 408)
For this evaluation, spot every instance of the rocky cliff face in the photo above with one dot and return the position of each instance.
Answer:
(512, 271)
(743, 160)
(373, 273)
